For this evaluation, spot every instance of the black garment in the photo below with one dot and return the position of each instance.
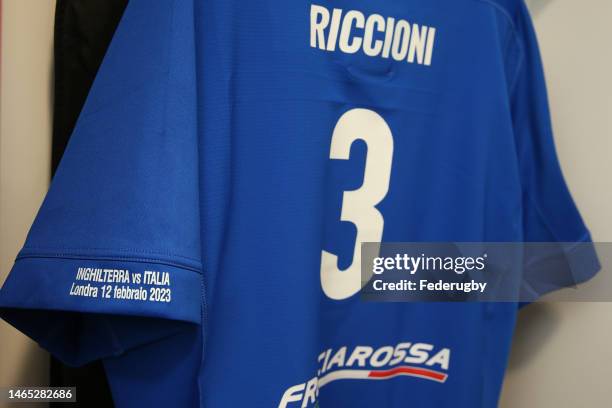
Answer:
(83, 30)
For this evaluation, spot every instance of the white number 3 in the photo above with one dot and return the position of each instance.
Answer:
(359, 206)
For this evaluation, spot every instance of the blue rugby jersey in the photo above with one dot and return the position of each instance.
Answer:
(202, 234)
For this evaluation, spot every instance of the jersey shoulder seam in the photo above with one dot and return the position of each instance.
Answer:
(515, 34)
(503, 10)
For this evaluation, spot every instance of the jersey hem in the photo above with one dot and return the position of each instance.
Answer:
(84, 309)
(134, 255)
(579, 261)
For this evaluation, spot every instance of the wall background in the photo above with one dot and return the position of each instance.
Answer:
(25, 142)
(561, 356)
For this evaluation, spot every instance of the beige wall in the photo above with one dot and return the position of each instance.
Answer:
(25, 129)
(561, 356)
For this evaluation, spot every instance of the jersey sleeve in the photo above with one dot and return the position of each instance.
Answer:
(564, 255)
(113, 258)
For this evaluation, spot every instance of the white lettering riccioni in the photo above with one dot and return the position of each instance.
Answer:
(351, 31)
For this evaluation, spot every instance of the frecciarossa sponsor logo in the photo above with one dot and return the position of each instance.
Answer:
(419, 360)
